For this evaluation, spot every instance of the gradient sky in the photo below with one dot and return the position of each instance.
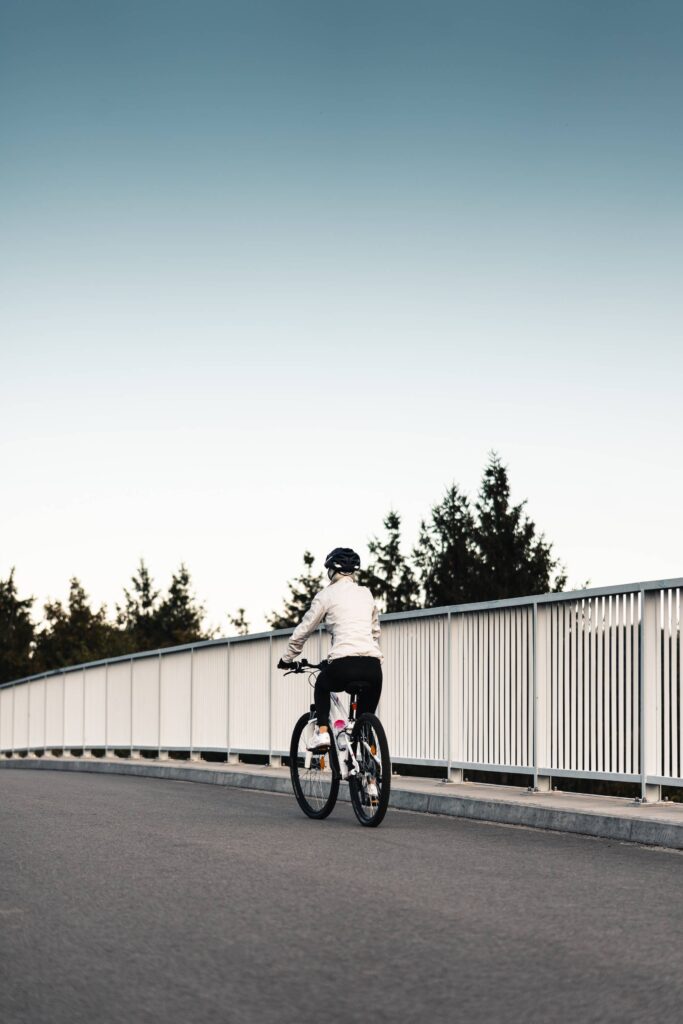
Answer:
(271, 267)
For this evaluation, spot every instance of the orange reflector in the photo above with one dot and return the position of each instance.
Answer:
(373, 749)
(322, 763)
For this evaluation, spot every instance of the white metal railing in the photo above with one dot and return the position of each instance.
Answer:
(585, 684)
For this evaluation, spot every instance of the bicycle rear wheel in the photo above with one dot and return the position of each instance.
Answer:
(315, 777)
(370, 789)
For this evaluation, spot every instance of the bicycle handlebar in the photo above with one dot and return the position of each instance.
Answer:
(298, 667)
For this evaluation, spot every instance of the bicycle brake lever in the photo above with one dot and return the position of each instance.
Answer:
(297, 668)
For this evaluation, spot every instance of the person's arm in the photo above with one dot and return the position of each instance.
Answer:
(376, 629)
(312, 618)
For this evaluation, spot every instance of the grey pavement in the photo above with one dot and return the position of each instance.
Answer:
(142, 899)
(658, 824)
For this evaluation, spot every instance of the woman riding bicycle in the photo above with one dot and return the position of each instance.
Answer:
(354, 663)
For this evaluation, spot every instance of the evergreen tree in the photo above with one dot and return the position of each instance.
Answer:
(389, 575)
(302, 590)
(75, 633)
(239, 622)
(513, 559)
(151, 621)
(139, 615)
(17, 632)
(179, 617)
(445, 555)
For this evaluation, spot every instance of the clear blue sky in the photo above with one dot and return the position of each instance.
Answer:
(271, 267)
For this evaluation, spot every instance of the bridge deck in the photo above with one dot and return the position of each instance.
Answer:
(657, 824)
(141, 899)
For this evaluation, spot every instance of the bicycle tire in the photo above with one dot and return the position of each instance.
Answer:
(316, 790)
(370, 812)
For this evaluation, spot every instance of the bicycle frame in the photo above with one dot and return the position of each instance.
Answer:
(347, 750)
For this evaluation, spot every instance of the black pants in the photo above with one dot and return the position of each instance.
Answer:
(348, 675)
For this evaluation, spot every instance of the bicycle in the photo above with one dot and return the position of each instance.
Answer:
(358, 754)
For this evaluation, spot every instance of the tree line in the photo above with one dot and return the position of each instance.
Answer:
(465, 551)
(74, 632)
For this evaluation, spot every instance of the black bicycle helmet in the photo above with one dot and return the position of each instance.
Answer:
(344, 560)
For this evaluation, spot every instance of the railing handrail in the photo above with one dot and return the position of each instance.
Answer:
(417, 613)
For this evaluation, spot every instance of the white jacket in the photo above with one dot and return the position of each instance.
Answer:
(350, 615)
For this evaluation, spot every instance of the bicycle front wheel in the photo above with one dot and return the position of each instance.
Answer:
(315, 777)
(370, 788)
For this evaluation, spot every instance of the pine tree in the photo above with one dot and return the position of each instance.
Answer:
(179, 617)
(513, 559)
(139, 615)
(74, 633)
(302, 590)
(17, 632)
(389, 575)
(151, 621)
(239, 622)
(445, 555)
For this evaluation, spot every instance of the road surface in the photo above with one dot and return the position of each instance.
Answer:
(132, 899)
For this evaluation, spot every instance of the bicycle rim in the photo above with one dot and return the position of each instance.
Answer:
(371, 751)
(315, 777)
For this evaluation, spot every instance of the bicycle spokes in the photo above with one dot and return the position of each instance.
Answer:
(369, 777)
(370, 788)
(314, 771)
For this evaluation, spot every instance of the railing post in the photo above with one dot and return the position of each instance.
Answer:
(193, 756)
(63, 713)
(106, 710)
(134, 752)
(86, 753)
(534, 709)
(650, 709)
(130, 680)
(83, 730)
(163, 754)
(452, 774)
(45, 686)
(28, 718)
(275, 760)
(232, 758)
(449, 701)
(542, 783)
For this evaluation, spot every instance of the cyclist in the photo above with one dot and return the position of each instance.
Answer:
(354, 664)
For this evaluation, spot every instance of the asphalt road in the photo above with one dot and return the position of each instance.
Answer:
(129, 899)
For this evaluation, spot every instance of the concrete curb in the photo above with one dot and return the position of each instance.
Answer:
(173, 772)
(643, 830)
(601, 826)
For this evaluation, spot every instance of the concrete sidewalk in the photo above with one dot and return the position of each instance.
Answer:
(600, 816)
